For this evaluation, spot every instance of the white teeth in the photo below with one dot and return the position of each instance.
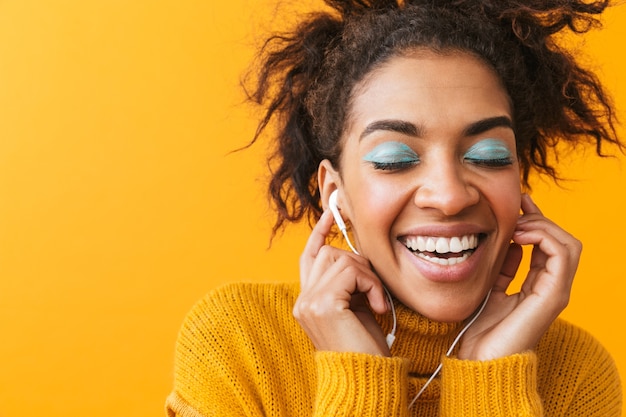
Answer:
(442, 246)
(430, 245)
(455, 244)
(444, 261)
(421, 245)
(465, 242)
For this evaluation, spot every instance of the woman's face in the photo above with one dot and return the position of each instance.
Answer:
(429, 179)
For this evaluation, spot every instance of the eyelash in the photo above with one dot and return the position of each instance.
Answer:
(397, 166)
(491, 163)
(393, 166)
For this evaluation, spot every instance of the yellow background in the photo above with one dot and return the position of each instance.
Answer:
(120, 206)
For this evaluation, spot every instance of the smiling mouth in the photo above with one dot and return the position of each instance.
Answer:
(442, 250)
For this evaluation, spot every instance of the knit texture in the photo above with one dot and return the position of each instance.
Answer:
(241, 353)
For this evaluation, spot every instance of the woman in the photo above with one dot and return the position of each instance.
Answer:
(416, 124)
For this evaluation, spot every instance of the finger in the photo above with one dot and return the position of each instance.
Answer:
(554, 258)
(330, 258)
(534, 222)
(334, 292)
(318, 236)
(529, 206)
(373, 289)
(553, 264)
(548, 228)
(315, 242)
(509, 268)
(374, 296)
(344, 274)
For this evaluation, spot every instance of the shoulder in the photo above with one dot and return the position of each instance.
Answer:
(245, 298)
(569, 342)
(235, 327)
(574, 366)
(241, 307)
(234, 317)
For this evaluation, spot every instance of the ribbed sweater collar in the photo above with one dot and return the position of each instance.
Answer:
(420, 340)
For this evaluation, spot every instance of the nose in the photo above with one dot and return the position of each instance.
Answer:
(446, 188)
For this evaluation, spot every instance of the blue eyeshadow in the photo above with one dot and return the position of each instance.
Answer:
(392, 152)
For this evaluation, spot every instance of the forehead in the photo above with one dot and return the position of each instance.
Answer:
(429, 85)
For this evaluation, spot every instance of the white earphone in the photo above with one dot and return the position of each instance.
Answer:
(332, 205)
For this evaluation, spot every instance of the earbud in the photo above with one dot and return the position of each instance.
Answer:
(332, 205)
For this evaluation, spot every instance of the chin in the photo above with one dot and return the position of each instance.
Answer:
(447, 309)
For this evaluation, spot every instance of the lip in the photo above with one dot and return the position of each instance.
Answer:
(446, 273)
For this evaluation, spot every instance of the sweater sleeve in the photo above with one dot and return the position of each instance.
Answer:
(577, 374)
(207, 381)
(500, 387)
(570, 374)
(599, 392)
(356, 384)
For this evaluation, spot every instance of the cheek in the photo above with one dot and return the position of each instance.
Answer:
(506, 202)
(375, 205)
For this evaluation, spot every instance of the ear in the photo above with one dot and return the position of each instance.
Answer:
(328, 180)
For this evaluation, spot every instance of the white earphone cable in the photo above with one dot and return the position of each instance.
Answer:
(345, 235)
(454, 343)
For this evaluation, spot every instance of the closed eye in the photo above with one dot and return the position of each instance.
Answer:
(490, 153)
(392, 156)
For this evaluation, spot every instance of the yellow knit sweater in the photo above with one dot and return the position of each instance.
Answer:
(241, 353)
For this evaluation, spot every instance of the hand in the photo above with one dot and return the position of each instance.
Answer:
(336, 288)
(515, 323)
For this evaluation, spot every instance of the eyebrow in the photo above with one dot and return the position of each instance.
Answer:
(399, 126)
(486, 125)
(410, 129)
